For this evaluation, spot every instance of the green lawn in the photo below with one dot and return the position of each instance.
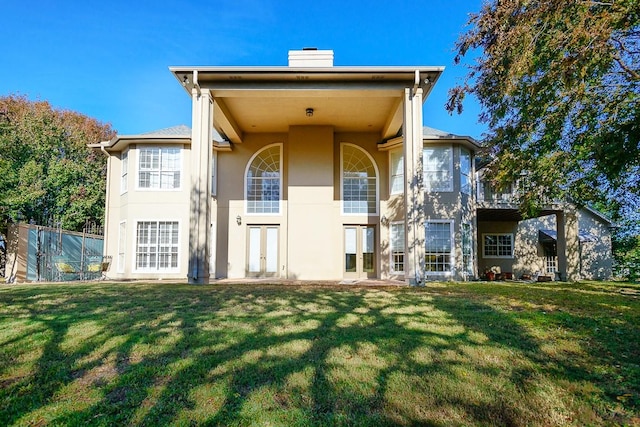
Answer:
(446, 354)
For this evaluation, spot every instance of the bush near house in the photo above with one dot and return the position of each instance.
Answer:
(447, 354)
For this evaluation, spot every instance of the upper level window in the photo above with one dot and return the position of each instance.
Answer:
(124, 172)
(263, 181)
(465, 171)
(359, 181)
(396, 171)
(437, 166)
(497, 245)
(159, 167)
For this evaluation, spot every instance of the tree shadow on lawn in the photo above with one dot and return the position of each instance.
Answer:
(159, 354)
(582, 335)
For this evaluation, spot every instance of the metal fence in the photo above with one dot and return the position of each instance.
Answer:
(53, 254)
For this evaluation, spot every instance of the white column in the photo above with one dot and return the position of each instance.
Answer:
(413, 187)
(568, 245)
(200, 172)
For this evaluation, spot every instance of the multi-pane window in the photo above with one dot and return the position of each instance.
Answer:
(437, 166)
(465, 171)
(397, 247)
(157, 245)
(438, 246)
(263, 181)
(122, 242)
(396, 171)
(124, 172)
(497, 245)
(359, 182)
(159, 167)
(467, 250)
(214, 180)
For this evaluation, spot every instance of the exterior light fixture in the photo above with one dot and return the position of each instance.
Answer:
(239, 220)
(185, 80)
(309, 112)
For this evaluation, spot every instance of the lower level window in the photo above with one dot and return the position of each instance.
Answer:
(467, 250)
(438, 246)
(157, 245)
(497, 245)
(397, 247)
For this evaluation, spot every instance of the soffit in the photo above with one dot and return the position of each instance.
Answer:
(271, 99)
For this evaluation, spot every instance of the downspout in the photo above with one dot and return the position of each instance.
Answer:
(196, 84)
(106, 204)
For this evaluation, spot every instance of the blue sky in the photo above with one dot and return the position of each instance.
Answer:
(109, 60)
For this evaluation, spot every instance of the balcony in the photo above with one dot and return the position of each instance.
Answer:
(504, 205)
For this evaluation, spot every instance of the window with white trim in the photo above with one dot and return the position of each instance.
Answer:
(263, 181)
(438, 246)
(157, 245)
(396, 171)
(465, 171)
(498, 245)
(437, 166)
(124, 172)
(396, 238)
(214, 179)
(359, 181)
(467, 249)
(122, 244)
(159, 168)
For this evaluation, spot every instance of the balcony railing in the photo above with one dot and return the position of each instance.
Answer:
(509, 198)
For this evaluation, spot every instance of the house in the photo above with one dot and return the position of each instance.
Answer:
(309, 171)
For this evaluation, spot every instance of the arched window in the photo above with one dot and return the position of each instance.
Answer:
(359, 181)
(263, 181)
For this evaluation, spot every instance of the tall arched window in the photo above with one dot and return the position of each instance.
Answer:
(263, 181)
(359, 181)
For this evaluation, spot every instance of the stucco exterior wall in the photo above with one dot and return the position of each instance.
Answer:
(595, 256)
(458, 208)
(144, 205)
(486, 263)
(310, 221)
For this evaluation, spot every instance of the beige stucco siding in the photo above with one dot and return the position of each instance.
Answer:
(312, 245)
(594, 256)
(137, 205)
(310, 220)
(505, 264)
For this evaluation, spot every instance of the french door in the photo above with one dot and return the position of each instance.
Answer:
(359, 251)
(262, 259)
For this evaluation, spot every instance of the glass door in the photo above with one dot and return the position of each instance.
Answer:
(360, 251)
(262, 256)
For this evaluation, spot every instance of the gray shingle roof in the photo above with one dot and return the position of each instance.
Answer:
(429, 132)
(180, 130)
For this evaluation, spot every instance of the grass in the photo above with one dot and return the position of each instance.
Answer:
(447, 354)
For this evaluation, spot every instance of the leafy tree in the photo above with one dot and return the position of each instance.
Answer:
(559, 86)
(48, 174)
